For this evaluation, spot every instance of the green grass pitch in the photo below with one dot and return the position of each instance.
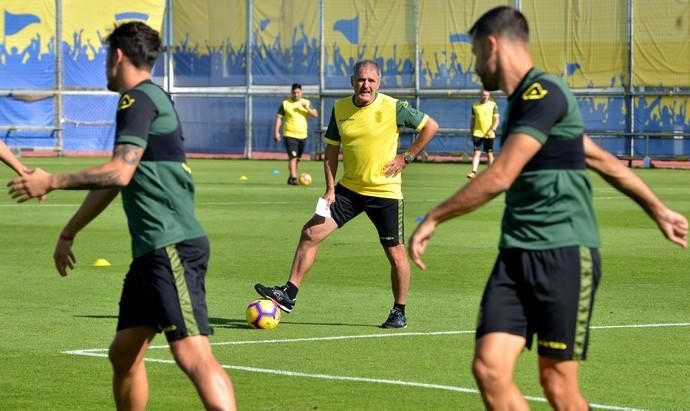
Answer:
(329, 353)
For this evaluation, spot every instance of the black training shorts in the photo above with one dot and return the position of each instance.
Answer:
(294, 147)
(386, 213)
(165, 289)
(481, 142)
(547, 292)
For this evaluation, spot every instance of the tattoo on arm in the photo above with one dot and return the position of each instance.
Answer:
(98, 177)
(129, 153)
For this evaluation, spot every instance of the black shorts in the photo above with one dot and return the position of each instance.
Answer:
(547, 292)
(165, 290)
(387, 214)
(486, 143)
(294, 147)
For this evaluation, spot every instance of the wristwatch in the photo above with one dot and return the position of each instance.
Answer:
(408, 157)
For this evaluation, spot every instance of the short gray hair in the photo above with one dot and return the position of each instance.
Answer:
(364, 63)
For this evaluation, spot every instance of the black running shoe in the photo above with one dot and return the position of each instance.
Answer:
(396, 319)
(293, 181)
(278, 294)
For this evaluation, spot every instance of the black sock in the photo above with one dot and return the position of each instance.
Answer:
(291, 290)
(399, 307)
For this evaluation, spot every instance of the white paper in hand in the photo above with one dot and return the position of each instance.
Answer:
(322, 208)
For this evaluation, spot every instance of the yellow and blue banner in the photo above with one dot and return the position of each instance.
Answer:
(210, 40)
(661, 43)
(286, 35)
(27, 51)
(583, 41)
(381, 30)
(446, 57)
(85, 26)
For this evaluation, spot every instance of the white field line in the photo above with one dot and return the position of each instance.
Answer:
(608, 327)
(101, 353)
(86, 351)
(354, 379)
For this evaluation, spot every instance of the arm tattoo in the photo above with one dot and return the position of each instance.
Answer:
(95, 178)
(129, 153)
(87, 180)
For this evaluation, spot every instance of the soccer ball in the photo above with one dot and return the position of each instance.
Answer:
(304, 179)
(263, 314)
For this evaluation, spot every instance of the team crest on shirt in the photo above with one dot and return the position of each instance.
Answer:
(535, 92)
(379, 116)
(125, 102)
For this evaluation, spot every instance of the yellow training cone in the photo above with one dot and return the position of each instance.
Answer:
(101, 262)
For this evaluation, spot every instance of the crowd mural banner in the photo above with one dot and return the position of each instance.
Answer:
(209, 43)
(27, 52)
(88, 123)
(86, 24)
(446, 50)
(596, 54)
(27, 62)
(230, 63)
(286, 42)
(661, 48)
(582, 40)
(382, 30)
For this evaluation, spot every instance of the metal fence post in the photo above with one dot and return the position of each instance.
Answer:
(59, 67)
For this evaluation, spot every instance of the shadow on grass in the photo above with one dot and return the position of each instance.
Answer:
(216, 322)
(240, 323)
(235, 323)
(97, 317)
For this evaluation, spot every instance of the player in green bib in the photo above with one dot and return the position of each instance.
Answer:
(164, 289)
(366, 128)
(548, 267)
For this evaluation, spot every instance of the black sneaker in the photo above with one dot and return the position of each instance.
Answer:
(292, 181)
(396, 319)
(278, 294)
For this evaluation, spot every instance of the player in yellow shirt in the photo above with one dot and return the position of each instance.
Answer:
(365, 126)
(295, 110)
(485, 120)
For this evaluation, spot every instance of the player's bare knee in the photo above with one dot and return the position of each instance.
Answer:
(484, 373)
(399, 262)
(309, 234)
(555, 388)
(190, 364)
(552, 389)
(122, 360)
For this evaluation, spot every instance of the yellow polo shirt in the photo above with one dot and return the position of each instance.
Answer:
(368, 137)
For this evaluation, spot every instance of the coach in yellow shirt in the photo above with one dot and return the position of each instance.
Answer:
(295, 110)
(485, 120)
(365, 126)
